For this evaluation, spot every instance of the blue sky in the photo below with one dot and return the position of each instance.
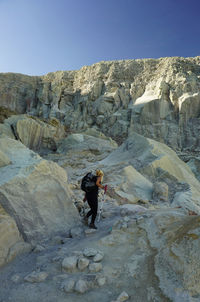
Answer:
(40, 36)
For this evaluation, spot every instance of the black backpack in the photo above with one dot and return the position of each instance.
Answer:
(88, 182)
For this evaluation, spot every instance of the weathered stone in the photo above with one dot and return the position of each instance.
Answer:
(101, 281)
(4, 160)
(160, 192)
(89, 252)
(95, 267)
(6, 131)
(46, 208)
(98, 257)
(36, 277)
(18, 248)
(123, 297)
(38, 249)
(69, 264)
(68, 285)
(36, 134)
(83, 263)
(90, 231)
(129, 209)
(9, 237)
(157, 162)
(81, 286)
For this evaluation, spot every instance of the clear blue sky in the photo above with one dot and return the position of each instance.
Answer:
(40, 36)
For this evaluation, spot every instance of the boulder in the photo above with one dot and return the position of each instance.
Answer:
(9, 237)
(4, 160)
(176, 239)
(36, 277)
(83, 263)
(35, 133)
(157, 163)
(35, 193)
(83, 142)
(130, 186)
(6, 131)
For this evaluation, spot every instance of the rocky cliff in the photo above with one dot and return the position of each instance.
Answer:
(158, 98)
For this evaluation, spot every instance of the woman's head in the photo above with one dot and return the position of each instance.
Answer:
(99, 173)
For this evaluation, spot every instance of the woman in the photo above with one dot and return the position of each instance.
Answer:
(92, 199)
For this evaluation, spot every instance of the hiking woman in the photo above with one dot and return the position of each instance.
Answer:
(92, 198)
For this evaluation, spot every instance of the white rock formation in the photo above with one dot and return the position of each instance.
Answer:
(34, 133)
(156, 163)
(157, 98)
(35, 193)
(11, 242)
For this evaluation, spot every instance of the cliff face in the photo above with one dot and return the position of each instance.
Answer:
(158, 98)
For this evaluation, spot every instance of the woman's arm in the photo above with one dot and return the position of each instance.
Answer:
(98, 183)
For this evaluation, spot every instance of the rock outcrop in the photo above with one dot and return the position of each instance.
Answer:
(35, 133)
(158, 98)
(143, 169)
(11, 241)
(35, 193)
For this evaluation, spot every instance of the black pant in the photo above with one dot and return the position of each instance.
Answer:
(92, 199)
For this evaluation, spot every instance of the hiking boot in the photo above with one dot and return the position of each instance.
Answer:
(92, 226)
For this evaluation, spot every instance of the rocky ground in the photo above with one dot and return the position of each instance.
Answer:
(137, 254)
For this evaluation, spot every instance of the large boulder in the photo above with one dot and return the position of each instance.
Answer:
(35, 133)
(176, 239)
(6, 131)
(11, 242)
(80, 146)
(4, 160)
(35, 193)
(156, 162)
(129, 185)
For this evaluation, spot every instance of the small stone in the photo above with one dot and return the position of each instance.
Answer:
(77, 253)
(101, 281)
(81, 286)
(68, 285)
(123, 297)
(69, 264)
(90, 231)
(38, 249)
(95, 267)
(89, 252)
(83, 263)
(98, 257)
(36, 277)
